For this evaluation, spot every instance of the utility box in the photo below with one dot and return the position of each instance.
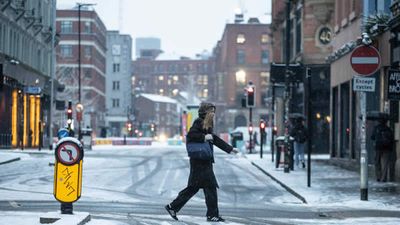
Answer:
(87, 138)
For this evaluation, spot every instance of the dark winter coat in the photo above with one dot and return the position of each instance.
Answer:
(375, 134)
(299, 133)
(201, 171)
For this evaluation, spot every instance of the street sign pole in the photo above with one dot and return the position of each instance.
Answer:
(365, 61)
(364, 154)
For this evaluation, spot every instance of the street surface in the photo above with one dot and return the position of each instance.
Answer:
(132, 184)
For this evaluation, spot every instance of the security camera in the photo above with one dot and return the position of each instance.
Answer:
(366, 40)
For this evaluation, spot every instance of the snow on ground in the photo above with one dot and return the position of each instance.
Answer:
(330, 186)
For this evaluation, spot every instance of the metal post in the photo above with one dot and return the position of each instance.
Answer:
(272, 118)
(250, 132)
(309, 124)
(287, 87)
(79, 67)
(52, 72)
(67, 208)
(261, 143)
(364, 154)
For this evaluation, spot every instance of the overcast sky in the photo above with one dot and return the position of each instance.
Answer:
(185, 27)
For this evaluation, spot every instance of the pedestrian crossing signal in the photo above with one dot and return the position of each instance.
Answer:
(251, 91)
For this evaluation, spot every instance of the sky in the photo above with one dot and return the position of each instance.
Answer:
(185, 27)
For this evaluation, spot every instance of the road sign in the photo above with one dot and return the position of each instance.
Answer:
(364, 84)
(68, 151)
(365, 60)
(32, 90)
(393, 91)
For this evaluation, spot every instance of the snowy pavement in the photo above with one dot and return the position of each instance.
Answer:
(331, 187)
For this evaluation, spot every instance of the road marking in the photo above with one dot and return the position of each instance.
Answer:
(14, 204)
(164, 180)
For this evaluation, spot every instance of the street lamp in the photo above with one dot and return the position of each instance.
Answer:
(80, 5)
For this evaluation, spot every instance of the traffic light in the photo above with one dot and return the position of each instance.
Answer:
(69, 115)
(262, 126)
(250, 100)
(152, 127)
(250, 128)
(129, 126)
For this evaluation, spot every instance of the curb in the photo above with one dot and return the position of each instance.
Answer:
(291, 191)
(11, 160)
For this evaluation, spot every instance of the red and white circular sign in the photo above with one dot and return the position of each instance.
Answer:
(365, 60)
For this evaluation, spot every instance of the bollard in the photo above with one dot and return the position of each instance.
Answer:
(68, 173)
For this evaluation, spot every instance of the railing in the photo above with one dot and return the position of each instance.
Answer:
(5, 140)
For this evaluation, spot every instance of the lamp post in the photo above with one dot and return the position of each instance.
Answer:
(80, 5)
(287, 86)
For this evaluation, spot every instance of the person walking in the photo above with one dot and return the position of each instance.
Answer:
(201, 171)
(299, 133)
(383, 137)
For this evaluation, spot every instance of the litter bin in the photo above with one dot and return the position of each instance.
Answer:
(280, 151)
(87, 138)
(235, 137)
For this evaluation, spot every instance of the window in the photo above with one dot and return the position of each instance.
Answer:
(264, 38)
(88, 51)
(264, 56)
(161, 91)
(298, 26)
(66, 50)
(240, 57)
(175, 79)
(115, 85)
(240, 39)
(66, 27)
(202, 80)
(264, 78)
(87, 28)
(377, 6)
(116, 67)
(115, 102)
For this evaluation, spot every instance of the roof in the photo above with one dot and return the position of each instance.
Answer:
(159, 98)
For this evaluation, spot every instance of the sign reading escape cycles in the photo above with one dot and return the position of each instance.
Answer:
(393, 85)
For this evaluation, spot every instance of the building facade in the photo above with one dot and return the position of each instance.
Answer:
(161, 111)
(311, 29)
(92, 75)
(242, 55)
(346, 127)
(118, 82)
(185, 80)
(26, 40)
(394, 29)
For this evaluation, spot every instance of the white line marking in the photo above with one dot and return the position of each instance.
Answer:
(14, 204)
(364, 60)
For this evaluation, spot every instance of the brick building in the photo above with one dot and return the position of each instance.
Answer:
(187, 78)
(170, 77)
(93, 64)
(242, 55)
(160, 110)
(310, 43)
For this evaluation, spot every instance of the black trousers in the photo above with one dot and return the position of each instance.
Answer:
(210, 194)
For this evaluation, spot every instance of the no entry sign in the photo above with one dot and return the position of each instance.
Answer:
(365, 60)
